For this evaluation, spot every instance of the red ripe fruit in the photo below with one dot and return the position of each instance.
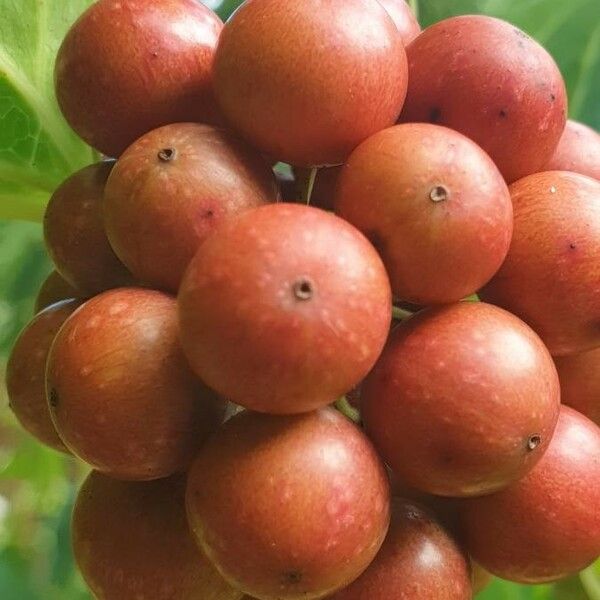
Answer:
(551, 276)
(306, 82)
(121, 394)
(404, 18)
(129, 66)
(418, 559)
(579, 376)
(284, 309)
(547, 525)
(171, 188)
(434, 205)
(492, 82)
(463, 400)
(131, 540)
(75, 235)
(26, 373)
(289, 507)
(578, 151)
(54, 289)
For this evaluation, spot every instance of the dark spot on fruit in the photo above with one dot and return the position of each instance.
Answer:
(521, 34)
(503, 114)
(53, 398)
(439, 193)
(435, 115)
(167, 154)
(154, 54)
(572, 246)
(533, 442)
(303, 289)
(292, 577)
(208, 214)
(552, 97)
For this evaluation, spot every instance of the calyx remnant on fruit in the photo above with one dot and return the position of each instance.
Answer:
(303, 289)
(167, 154)
(439, 193)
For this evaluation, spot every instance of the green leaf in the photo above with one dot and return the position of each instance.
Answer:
(569, 30)
(37, 148)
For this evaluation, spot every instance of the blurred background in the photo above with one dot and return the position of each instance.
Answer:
(37, 486)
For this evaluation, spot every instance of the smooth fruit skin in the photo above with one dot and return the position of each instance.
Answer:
(579, 376)
(120, 392)
(551, 276)
(547, 525)
(289, 507)
(578, 151)
(493, 83)
(418, 559)
(171, 188)
(131, 540)
(26, 373)
(434, 205)
(404, 18)
(75, 236)
(129, 66)
(306, 82)
(288, 294)
(463, 400)
(54, 289)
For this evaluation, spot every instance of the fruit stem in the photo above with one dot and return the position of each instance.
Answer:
(347, 409)
(310, 184)
(400, 314)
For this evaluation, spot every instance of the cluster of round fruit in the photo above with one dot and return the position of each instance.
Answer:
(285, 309)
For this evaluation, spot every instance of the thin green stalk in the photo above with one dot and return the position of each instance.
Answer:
(400, 314)
(347, 409)
(310, 184)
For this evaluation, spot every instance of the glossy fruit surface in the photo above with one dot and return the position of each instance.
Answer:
(547, 525)
(418, 559)
(289, 507)
(433, 204)
(551, 276)
(578, 151)
(288, 294)
(120, 392)
(26, 373)
(404, 18)
(492, 82)
(131, 540)
(463, 400)
(579, 376)
(306, 82)
(171, 188)
(129, 66)
(75, 235)
(54, 289)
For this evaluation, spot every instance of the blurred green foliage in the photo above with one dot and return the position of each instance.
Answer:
(37, 486)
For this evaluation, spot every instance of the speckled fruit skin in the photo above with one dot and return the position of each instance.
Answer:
(131, 540)
(404, 18)
(159, 210)
(129, 66)
(579, 376)
(306, 82)
(418, 559)
(434, 205)
(75, 236)
(120, 392)
(289, 294)
(551, 276)
(463, 400)
(289, 507)
(54, 289)
(578, 151)
(513, 103)
(26, 373)
(547, 525)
